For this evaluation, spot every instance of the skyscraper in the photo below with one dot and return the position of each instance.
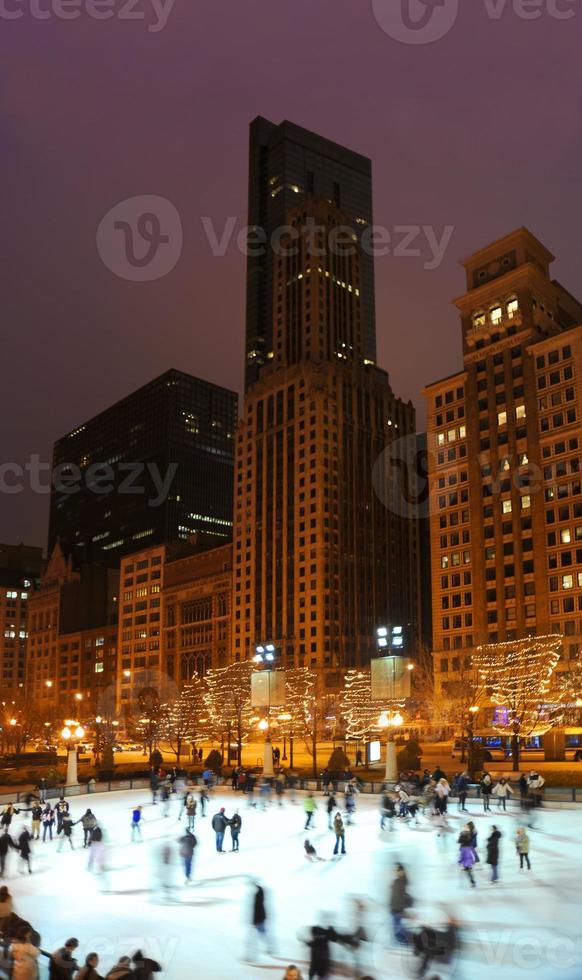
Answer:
(286, 164)
(154, 468)
(504, 441)
(324, 553)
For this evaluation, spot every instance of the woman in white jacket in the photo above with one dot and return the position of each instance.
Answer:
(502, 791)
(24, 956)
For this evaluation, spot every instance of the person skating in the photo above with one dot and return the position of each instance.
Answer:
(62, 963)
(330, 806)
(154, 785)
(493, 852)
(387, 810)
(473, 833)
(442, 791)
(259, 928)
(48, 821)
(187, 844)
(24, 955)
(340, 833)
(399, 901)
(89, 970)
(6, 843)
(62, 810)
(502, 791)
(310, 807)
(522, 791)
(204, 800)
(66, 831)
(350, 802)
(279, 788)
(467, 859)
(121, 970)
(144, 967)
(23, 846)
(486, 784)
(219, 825)
(310, 852)
(320, 958)
(190, 807)
(522, 848)
(136, 822)
(7, 817)
(96, 850)
(36, 817)
(6, 906)
(235, 829)
(89, 822)
(462, 790)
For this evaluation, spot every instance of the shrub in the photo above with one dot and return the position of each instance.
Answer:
(214, 760)
(156, 758)
(410, 756)
(338, 761)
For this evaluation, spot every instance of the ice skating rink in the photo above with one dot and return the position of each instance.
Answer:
(526, 925)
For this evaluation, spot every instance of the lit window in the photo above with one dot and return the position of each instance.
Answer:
(526, 501)
(502, 418)
(506, 506)
(441, 439)
(523, 459)
(495, 314)
(445, 561)
(479, 319)
(451, 435)
(567, 581)
(512, 307)
(99, 668)
(565, 536)
(462, 431)
(520, 411)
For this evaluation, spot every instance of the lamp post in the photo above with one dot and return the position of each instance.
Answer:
(390, 720)
(265, 657)
(72, 734)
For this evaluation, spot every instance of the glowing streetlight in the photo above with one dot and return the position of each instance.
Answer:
(263, 725)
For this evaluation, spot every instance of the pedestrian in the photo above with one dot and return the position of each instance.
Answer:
(219, 825)
(67, 832)
(535, 784)
(522, 791)
(24, 848)
(502, 790)
(144, 967)
(387, 811)
(7, 817)
(359, 758)
(400, 901)
(493, 852)
(331, 806)
(89, 971)
(36, 816)
(190, 808)
(62, 809)
(259, 927)
(6, 843)
(89, 822)
(319, 963)
(522, 847)
(310, 807)
(48, 821)
(187, 844)
(136, 822)
(204, 799)
(121, 970)
(235, 829)
(340, 833)
(42, 790)
(437, 774)
(6, 906)
(462, 790)
(467, 855)
(166, 793)
(442, 791)
(24, 955)
(486, 784)
(62, 963)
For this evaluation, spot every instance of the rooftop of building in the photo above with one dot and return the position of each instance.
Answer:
(318, 144)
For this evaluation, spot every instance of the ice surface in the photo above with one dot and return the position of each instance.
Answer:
(528, 924)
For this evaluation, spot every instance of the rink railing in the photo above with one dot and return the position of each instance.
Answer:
(560, 795)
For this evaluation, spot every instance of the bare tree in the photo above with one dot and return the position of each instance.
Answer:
(182, 717)
(228, 703)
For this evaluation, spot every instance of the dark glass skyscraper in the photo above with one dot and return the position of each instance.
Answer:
(286, 164)
(154, 468)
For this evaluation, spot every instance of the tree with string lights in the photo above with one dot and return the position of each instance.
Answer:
(228, 703)
(360, 712)
(298, 710)
(518, 676)
(182, 718)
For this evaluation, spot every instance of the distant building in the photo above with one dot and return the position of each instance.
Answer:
(505, 443)
(154, 468)
(20, 569)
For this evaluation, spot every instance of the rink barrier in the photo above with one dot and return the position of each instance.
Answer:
(560, 796)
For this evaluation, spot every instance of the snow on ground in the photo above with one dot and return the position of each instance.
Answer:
(528, 923)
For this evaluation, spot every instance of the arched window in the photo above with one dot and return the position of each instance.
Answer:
(512, 306)
(479, 319)
(496, 313)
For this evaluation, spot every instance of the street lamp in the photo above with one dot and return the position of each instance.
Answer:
(390, 720)
(470, 729)
(72, 734)
(264, 658)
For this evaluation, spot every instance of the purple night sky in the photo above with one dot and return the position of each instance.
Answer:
(480, 130)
